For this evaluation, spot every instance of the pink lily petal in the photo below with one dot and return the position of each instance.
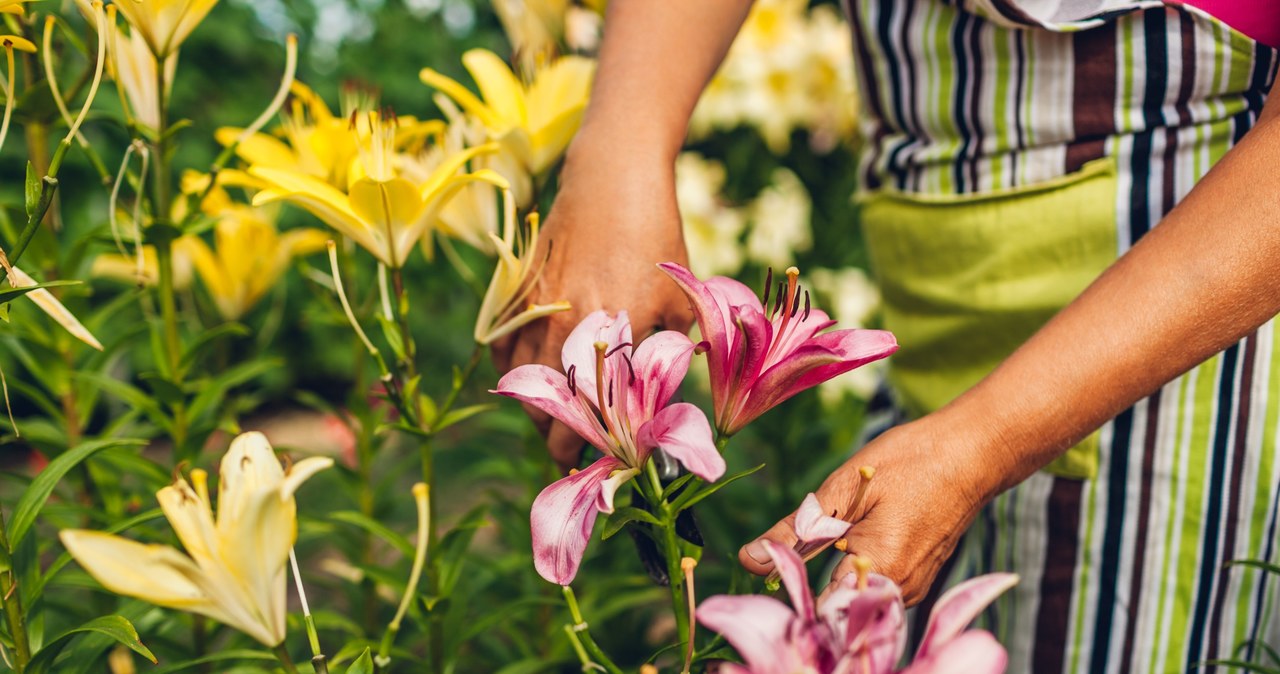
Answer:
(731, 294)
(682, 431)
(579, 351)
(818, 360)
(814, 526)
(799, 331)
(794, 577)
(957, 607)
(973, 652)
(870, 621)
(713, 322)
(759, 629)
(660, 363)
(752, 352)
(548, 390)
(563, 516)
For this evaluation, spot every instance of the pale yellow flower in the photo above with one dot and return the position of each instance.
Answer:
(780, 222)
(248, 258)
(164, 24)
(381, 210)
(234, 569)
(504, 309)
(534, 121)
(133, 66)
(712, 228)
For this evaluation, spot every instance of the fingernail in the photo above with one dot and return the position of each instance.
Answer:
(758, 552)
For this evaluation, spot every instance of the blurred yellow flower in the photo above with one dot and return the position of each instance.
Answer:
(316, 143)
(381, 210)
(12, 6)
(712, 228)
(234, 569)
(503, 309)
(534, 122)
(164, 24)
(132, 65)
(248, 258)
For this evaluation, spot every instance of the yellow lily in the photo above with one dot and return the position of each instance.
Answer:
(471, 214)
(248, 257)
(164, 24)
(234, 569)
(535, 122)
(316, 143)
(513, 280)
(381, 210)
(133, 67)
(12, 6)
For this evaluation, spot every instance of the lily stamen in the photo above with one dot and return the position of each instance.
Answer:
(687, 565)
(768, 285)
(571, 376)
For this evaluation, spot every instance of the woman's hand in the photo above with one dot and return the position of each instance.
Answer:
(613, 221)
(925, 492)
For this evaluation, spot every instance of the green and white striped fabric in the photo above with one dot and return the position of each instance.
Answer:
(1122, 572)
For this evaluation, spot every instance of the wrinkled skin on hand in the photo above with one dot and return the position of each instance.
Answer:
(611, 224)
(923, 496)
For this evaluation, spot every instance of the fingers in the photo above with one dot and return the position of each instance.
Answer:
(755, 558)
(564, 446)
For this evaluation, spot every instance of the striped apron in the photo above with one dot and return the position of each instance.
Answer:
(1011, 145)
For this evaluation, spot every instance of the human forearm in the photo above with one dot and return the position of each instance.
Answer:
(656, 58)
(1200, 281)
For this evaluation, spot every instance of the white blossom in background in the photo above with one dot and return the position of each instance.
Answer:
(712, 228)
(790, 68)
(852, 299)
(780, 222)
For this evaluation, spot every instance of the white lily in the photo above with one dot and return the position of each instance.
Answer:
(234, 569)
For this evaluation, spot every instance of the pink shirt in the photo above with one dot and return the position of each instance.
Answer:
(1259, 19)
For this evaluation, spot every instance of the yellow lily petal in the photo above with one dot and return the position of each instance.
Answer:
(259, 149)
(391, 208)
(533, 313)
(51, 306)
(155, 573)
(18, 43)
(191, 519)
(315, 105)
(248, 466)
(301, 472)
(462, 96)
(563, 85)
(502, 92)
(450, 166)
(320, 199)
(549, 142)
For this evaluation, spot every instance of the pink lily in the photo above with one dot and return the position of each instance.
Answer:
(858, 628)
(759, 358)
(616, 398)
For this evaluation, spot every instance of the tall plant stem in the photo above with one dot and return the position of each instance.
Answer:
(161, 201)
(282, 654)
(671, 551)
(12, 599)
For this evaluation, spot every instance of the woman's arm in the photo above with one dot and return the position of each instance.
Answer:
(1203, 279)
(615, 216)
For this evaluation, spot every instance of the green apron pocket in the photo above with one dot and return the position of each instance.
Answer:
(966, 279)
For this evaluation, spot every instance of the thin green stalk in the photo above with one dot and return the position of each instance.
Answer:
(13, 613)
(580, 637)
(282, 654)
(671, 551)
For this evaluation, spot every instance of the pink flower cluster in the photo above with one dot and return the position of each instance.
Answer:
(858, 627)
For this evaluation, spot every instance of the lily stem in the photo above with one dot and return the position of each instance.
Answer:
(282, 654)
(13, 612)
(580, 637)
(671, 551)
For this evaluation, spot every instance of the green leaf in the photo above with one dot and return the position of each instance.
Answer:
(113, 626)
(453, 547)
(11, 294)
(1255, 564)
(461, 414)
(130, 394)
(391, 331)
(693, 497)
(33, 499)
(210, 336)
(214, 390)
(376, 528)
(163, 389)
(676, 484)
(32, 190)
(220, 656)
(622, 516)
(362, 664)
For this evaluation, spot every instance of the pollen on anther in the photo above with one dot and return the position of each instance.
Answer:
(574, 471)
